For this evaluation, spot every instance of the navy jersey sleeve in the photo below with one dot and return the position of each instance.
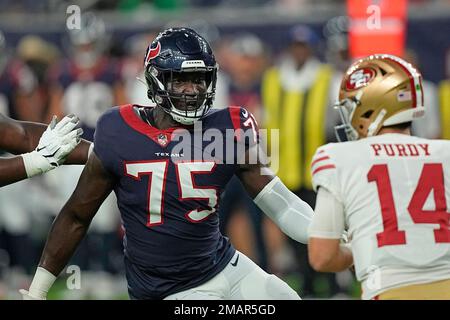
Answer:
(104, 138)
(245, 126)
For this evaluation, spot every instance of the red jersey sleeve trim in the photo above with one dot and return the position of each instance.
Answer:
(235, 115)
(328, 166)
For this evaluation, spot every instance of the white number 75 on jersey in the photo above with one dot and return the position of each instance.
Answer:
(157, 172)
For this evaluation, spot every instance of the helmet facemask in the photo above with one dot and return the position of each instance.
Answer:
(185, 108)
(346, 109)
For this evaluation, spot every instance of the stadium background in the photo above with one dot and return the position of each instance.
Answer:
(249, 37)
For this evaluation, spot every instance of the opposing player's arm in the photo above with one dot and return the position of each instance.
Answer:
(70, 226)
(325, 250)
(11, 170)
(55, 143)
(289, 212)
(21, 136)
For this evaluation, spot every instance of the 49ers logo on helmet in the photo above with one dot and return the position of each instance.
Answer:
(359, 78)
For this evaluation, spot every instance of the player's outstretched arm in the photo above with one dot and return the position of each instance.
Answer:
(70, 226)
(21, 136)
(57, 141)
(291, 214)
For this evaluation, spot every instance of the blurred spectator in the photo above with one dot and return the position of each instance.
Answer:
(88, 82)
(297, 101)
(224, 59)
(429, 126)
(133, 69)
(337, 44)
(17, 86)
(247, 59)
(39, 55)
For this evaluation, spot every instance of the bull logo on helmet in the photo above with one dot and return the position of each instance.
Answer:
(359, 78)
(152, 53)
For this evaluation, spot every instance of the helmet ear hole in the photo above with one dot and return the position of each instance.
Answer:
(367, 114)
(383, 72)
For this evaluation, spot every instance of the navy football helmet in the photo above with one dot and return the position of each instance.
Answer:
(173, 52)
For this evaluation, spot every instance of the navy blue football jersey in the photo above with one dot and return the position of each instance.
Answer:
(168, 189)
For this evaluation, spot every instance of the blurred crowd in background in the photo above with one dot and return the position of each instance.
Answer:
(289, 83)
(130, 5)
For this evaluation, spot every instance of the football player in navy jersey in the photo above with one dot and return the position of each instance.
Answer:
(43, 147)
(167, 195)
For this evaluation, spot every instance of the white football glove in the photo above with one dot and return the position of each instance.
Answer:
(27, 296)
(54, 146)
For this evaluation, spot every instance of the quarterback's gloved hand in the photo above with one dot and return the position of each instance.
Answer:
(27, 296)
(54, 146)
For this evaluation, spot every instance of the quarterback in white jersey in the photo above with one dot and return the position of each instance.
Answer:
(387, 192)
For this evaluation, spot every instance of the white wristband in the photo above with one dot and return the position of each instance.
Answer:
(35, 164)
(41, 283)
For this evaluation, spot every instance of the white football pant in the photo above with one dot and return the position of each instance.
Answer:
(241, 279)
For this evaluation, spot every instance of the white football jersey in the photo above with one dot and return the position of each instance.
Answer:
(395, 190)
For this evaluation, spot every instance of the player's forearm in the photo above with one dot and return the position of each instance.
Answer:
(73, 221)
(340, 261)
(20, 137)
(70, 226)
(11, 170)
(33, 132)
(65, 234)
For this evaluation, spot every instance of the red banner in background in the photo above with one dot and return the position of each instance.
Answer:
(377, 27)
